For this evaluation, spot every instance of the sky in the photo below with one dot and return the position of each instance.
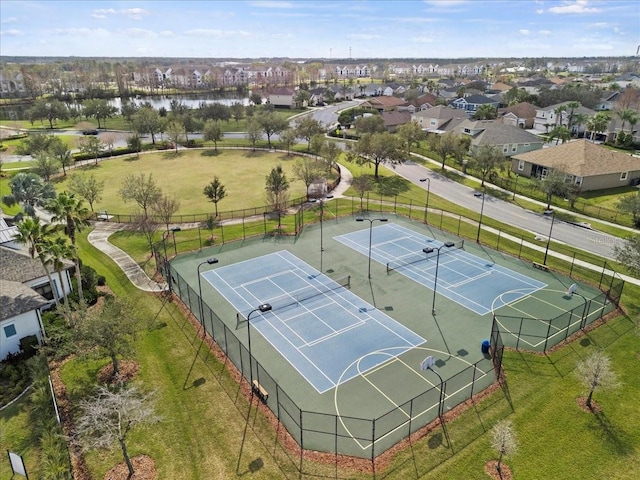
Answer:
(325, 29)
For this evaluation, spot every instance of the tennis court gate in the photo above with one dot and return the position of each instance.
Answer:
(326, 432)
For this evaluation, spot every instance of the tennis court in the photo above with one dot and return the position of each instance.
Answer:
(326, 332)
(475, 283)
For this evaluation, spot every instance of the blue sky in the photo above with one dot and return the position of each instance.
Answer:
(356, 29)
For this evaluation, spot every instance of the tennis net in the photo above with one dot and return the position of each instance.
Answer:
(426, 254)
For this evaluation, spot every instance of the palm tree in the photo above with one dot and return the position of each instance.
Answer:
(33, 234)
(68, 209)
(579, 119)
(28, 190)
(598, 123)
(559, 132)
(558, 112)
(628, 115)
(572, 106)
(56, 250)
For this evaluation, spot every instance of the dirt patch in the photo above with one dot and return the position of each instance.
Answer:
(491, 469)
(582, 403)
(143, 466)
(127, 370)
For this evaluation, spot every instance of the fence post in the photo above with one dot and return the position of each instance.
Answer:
(301, 441)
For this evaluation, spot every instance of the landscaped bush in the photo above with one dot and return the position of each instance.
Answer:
(14, 377)
(29, 345)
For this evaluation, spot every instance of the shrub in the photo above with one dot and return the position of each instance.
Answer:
(29, 345)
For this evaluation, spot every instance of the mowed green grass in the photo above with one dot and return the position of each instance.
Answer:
(184, 176)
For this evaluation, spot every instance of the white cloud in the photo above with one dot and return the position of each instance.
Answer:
(362, 36)
(600, 25)
(134, 13)
(524, 31)
(166, 33)
(103, 12)
(272, 4)
(210, 32)
(140, 32)
(11, 33)
(544, 32)
(445, 3)
(82, 31)
(577, 6)
(9, 20)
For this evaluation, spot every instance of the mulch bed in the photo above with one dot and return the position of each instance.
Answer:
(491, 469)
(127, 370)
(143, 466)
(582, 403)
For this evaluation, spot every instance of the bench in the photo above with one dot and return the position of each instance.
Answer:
(540, 266)
(260, 391)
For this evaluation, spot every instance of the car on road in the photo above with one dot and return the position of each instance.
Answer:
(91, 131)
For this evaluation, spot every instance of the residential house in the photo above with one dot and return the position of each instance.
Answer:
(437, 119)
(510, 140)
(383, 103)
(282, 97)
(393, 119)
(587, 165)
(546, 118)
(520, 115)
(428, 100)
(608, 101)
(12, 85)
(471, 103)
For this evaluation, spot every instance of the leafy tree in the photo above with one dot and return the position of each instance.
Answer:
(73, 214)
(277, 187)
(362, 185)
(628, 254)
(443, 145)
(109, 140)
(237, 111)
(331, 152)
(35, 143)
(411, 134)
(553, 184)
(598, 123)
(91, 146)
(255, 98)
(34, 234)
(571, 106)
(191, 123)
(487, 159)
(628, 115)
(307, 128)
(307, 170)
(461, 150)
(630, 204)
(288, 139)
(271, 124)
(49, 109)
(99, 109)
(214, 111)
(29, 191)
(486, 112)
(61, 153)
(143, 190)
(147, 121)
(375, 149)
(595, 371)
(503, 440)
(254, 132)
(370, 124)
(175, 131)
(146, 224)
(134, 142)
(45, 165)
(87, 187)
(302, 98)
(516, 95)
(215, 192)
(213, 132)
(110, 416)
(128, 111)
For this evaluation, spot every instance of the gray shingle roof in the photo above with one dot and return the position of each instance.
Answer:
(17, 266)
(16, 299)
(502, 134)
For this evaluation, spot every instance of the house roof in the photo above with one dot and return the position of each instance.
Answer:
(582, 158)
(476, 99)
(496, 133)
(16, 298)
(580, 109)
(440, 112)
(281, 91)
(521, 110)
(394, 118)
(385, 102)
(17, 266)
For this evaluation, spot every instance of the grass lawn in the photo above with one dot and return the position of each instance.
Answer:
(185, 175)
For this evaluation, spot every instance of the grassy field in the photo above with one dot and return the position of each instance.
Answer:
(242, 172)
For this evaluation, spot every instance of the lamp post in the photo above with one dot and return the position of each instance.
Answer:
(426, 209)
(370, 220)
(480, 222)
(427, 364)
(573, 289)
(428, 250)
(208, 261)
(175, 248)
(264, 307)
(546, 250)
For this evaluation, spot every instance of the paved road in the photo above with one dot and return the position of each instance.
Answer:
(538, 224)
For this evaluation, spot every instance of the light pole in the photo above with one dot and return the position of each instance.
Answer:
(208, 261)
(480, 222)
(427, 364)
(370, 220)
(573, 290)
(264, 307)
(546, 250)
(428, 250)
(426, 209)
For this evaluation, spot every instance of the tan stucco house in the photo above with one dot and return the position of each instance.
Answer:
(586, 164)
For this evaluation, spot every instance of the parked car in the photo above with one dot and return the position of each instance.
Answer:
(91, 131)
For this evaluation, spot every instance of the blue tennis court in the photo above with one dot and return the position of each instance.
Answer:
(475, 283)
(320, 327)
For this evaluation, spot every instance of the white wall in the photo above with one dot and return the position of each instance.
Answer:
(25, 324)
